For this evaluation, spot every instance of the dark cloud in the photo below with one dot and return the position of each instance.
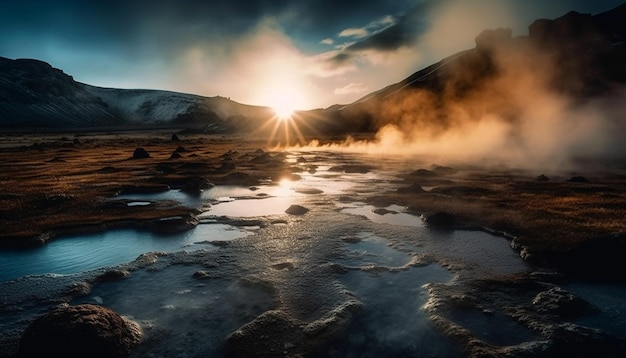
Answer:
(401, 31)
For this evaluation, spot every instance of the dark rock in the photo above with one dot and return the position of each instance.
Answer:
(175, 155)
(76, 141)
(201, 275)
(173, 225)
(441, 221)
(195, 185)
(296, 210)
(578, 179)
(309, 191)
(175, 138)
(413, 189)
(351, 169)
(383, 211)
(80, 331)
(262, 158)
(542, 178)
(113, 275)
(140, 153)
(107, 170)
(180, 150)
(559, 301)
(491, 39)
(443, 170)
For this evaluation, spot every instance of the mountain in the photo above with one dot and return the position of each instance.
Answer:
(577, 58)
(34, 94)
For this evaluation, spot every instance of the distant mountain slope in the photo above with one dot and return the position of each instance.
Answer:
(577, 56)
(34, 94)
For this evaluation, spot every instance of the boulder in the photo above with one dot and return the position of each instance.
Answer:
(175, 138)
(140, 153)
(296, 210)
(542, 178)
(173, 224)
(559, 301)
(80, 331)
(195, 185)
(441, 221)
(175, 155)
(238, 178)
(413, 189)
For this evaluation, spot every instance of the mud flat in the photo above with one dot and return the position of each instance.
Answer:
(384, 256)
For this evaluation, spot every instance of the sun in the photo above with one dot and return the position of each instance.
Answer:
(283, 107)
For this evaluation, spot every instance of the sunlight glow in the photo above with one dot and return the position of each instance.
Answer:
(283, 107)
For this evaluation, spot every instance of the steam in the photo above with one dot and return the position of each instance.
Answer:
(513, 117)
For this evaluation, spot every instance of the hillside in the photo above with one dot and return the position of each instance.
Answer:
(34, 94)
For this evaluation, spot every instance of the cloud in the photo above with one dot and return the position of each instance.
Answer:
(352, 88)
(327, 41)
(354, 32)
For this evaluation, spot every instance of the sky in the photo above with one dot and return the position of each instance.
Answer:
(304, 54)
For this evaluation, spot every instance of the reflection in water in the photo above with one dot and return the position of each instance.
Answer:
(392, 323)
(393, 216)
(80, 253)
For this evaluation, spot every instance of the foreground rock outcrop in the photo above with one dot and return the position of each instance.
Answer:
(80, 331)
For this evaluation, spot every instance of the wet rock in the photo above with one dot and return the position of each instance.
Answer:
(175, 138)
(578, 179)
(180, 149)
(542, 178)
(173, 225)
(238, 178)
(441, 221)
(195, 185)
(80, 331)
(113, 275)
(140, 153)
(383, 211)
(309, 191)
(296, 210)
(413, 189)
(283, 266)
(201, 275)
(262, 158)
(559, 301)
(351, 169)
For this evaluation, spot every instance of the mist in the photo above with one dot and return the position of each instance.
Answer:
(510, 101)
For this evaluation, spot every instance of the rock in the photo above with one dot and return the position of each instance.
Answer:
(175, 138)
(173, 225)
(175, 155)
(296, 210)
(113, 275)
(201, 275)
(559, 301)
(140, 153)
(195, 185)
(542, 178)
(80, 331)
(383, 211)
(180, 149)
(351, 169)
(441, 221)
(578, 179)
(413, 189)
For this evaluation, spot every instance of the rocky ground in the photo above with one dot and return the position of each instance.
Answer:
(53, 185)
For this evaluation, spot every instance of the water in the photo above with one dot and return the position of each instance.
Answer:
(395, 216)
(180, 315)
(78, 253)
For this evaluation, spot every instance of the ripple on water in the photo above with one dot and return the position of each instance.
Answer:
(392, 323)
(371, 249)
(78, 253)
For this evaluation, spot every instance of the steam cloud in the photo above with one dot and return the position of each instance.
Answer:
(509, 114)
